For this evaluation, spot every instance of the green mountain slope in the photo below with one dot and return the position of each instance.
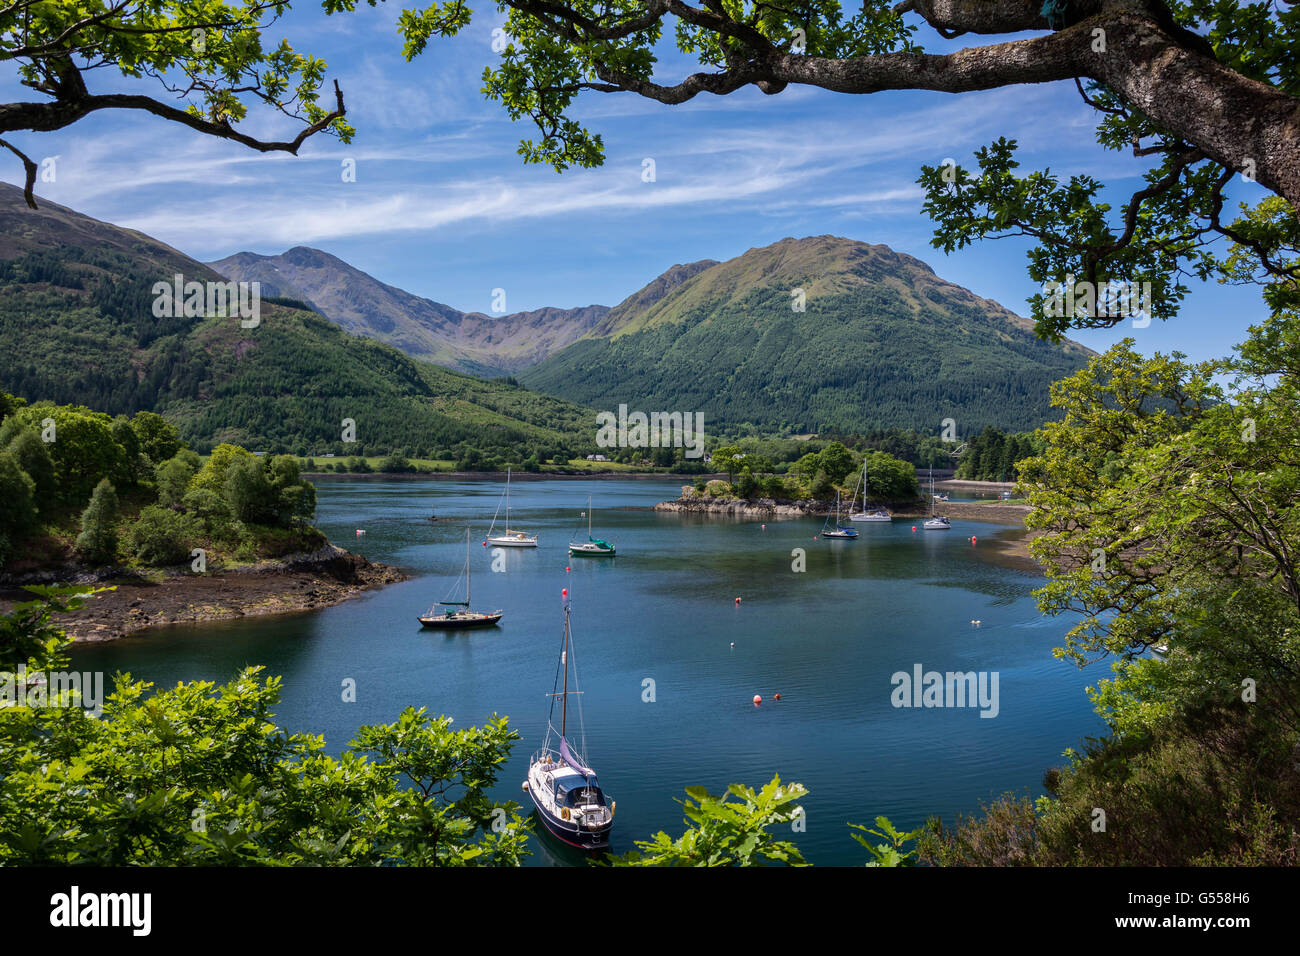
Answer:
(883, 342)
(77, 326)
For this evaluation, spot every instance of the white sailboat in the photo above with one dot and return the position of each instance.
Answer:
(510, 539)
(592, 547)
(935, 522)
(564, 790)
(879, 514)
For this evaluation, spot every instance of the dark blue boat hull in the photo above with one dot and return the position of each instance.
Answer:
(570, 833)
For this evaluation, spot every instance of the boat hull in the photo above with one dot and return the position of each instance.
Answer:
(580, 552)
(584, 838)
(870, 517)
(460, 624)
(512, 542)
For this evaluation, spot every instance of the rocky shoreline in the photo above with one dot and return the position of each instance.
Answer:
(298, 582)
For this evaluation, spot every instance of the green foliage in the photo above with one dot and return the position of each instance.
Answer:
(746, 485)
(18, 492)
(994, 456)
(722, 831)
(888, 479)
(84, 449)
(213, 474)
(98, 539)
(161, 537)
(34, 459)
(1167, 505)
(199, 774)
(891, 852)
(836, 461)
(211, 510)
(173, 478)
(159, 439)
(218, 56)
(249, 491)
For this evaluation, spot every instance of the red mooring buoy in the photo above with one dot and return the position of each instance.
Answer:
(757, 700)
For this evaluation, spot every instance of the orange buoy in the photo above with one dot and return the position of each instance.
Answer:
(973, 539)
(485, 544)
(757, 700)
(737, 600)
(764, 527)
(913, 527)
(566, 570)
(564, 592)
(776, 696)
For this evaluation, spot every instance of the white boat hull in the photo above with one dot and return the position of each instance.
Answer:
(513, 541)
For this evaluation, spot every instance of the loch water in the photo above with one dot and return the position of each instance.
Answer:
(668, 660)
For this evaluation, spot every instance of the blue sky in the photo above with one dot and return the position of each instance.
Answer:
(444, 208)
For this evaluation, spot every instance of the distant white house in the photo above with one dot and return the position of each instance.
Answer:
(597, 458)
(707, 457)
(330, 455)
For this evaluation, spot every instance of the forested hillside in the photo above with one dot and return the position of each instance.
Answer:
(881, 342)
(77, 326)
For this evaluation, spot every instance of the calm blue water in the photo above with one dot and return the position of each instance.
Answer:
(827, 640)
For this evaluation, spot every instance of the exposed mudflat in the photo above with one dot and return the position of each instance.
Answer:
(298, 583)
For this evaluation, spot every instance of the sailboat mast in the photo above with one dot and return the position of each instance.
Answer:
(564, 659)
(507, 499)
(588, 538)
(467, 602)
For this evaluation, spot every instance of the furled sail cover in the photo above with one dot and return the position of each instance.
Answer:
(573, 761)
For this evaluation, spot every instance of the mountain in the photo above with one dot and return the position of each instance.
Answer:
(882, 342)
(469, 341)
(78, 325)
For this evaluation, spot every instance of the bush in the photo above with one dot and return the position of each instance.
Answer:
(173, 478)
(210, 510)
(746, 484)
(249, 493)
(161, 536)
